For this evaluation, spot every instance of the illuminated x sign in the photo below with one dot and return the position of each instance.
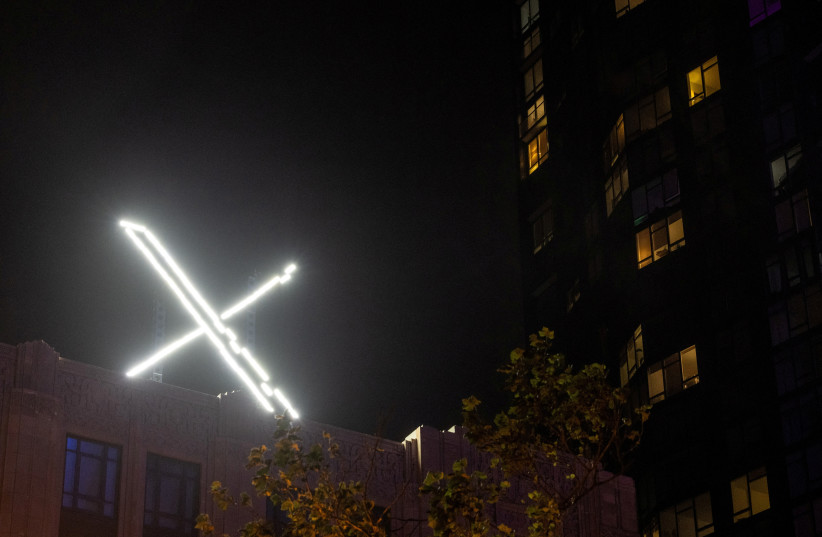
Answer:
(209, 323)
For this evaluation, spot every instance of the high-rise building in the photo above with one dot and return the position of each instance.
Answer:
(670, 195)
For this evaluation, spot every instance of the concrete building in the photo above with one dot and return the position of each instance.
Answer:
(670, 194)
(87, 451)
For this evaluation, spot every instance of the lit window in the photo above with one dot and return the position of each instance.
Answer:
(616, 186)
(689, 518)
(782, 165)
(655, 242)
(172, 498)
(529, 13)
(749, 494)
(793, 215)
(90, 485)
(631, 357)
(535, 112)
(90, 480)
(703, 81)
(624, 6)
(648, 113)
(656, 194)
(672, 375)
(543, 227)
(759, 10)
(533, 80)
(537, 150)
(531, 42)
(614, 144)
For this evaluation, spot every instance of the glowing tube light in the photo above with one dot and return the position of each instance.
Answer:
(188, 293)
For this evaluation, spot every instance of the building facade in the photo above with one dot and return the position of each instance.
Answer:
(87, 451)
(671, 167)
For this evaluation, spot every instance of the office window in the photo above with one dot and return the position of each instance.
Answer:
(689, 518)
(672, 375)
(536, 111)
(759, 10)
(172, 499)
(703, 81)
(529, 14)
(537, 150)
(531, 41)
(648, 113)
(658, 193)
(616, 186)
(782, 165)
(624, 6)
(749, 494)
(663, 236)
(631, 357)
(543, 227)
(533, 80)
(614, 144)
(779, 126)
(793, 215)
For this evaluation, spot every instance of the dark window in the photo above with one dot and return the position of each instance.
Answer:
(759, 10)
(658, 193)
(90, 485)
(172, 497)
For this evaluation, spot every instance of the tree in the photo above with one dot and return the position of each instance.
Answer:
(302, 483)
(560, 421)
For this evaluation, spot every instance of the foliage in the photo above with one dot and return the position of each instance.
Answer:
(301, 483)
(561, 428)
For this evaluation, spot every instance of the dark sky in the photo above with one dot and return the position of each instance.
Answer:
(371, 143)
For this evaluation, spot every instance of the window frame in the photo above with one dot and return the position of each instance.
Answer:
(742, 507)
(695, 97)
(656, 239)
(188, 476)
(667, 370)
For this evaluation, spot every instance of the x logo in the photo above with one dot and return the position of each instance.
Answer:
(209, 323)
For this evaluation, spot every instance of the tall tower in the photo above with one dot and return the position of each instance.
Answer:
(670, 193)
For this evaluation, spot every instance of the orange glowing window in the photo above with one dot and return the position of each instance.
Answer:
(703, 81)
(537, 151)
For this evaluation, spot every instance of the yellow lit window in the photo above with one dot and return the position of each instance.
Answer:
(749, 494)
(537, 150)
(536, 111)
(530, 43)
(703, 81)
(632, 356)
(672, 375)
(624, 6)
(614, 144)
(664, 236)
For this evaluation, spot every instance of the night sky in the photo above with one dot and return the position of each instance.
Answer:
(371, 143)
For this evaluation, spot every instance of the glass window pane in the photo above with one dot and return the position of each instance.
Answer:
(711, 76)
(675, 229)
(759, 495)
(690, 372)
(663, 104)
(659, 240)
(695, 89)
(739, 495)
(704, 514)
(685, 525)
(643, 248)
(779, 171)
(656, 383)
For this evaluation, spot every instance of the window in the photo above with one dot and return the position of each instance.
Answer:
(707, 122)
(659, 192)
(768, 42)
(793, 215)
(648, 113)
(615, 144)
(749, 494)
(703, 81)
(531, 42)
(528, 14)
(616, 186)
(543, 227)
(690, 518)
(624, 6)
(782, 165)
(794, 316)
(653, 152)
(655, 242)
(807, 519)
(779, 126)
(800, 418)
(796, 264)
(535, 112)
(537, 150)
(631, 357)
(759, 10)
(672, 375)
(90, 488)
(172, 497)
(533, 80)
(797, 366)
